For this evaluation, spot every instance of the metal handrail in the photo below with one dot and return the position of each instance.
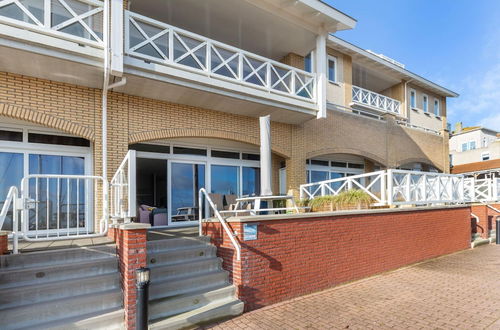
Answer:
(12, 198)
(223, 222)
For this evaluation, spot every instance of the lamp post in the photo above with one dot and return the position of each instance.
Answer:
(142, 276)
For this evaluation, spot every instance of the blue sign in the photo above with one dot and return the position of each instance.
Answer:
(249, 231)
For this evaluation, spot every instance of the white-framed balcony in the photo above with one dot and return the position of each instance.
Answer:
(53, 39)
(378, 102)
(165, 52)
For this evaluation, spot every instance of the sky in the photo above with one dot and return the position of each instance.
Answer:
(454, 43)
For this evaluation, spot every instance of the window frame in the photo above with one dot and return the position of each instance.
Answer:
(333, 59)
(425, 103)
(472, 143)
(437, 111)
(487, 154)
(413, 105)
(466, 144)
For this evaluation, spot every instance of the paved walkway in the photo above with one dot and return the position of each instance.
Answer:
(459, 291)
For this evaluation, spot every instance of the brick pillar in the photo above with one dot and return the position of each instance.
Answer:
(4, 247)
(130, 241)
(482, 212)
(296, 164)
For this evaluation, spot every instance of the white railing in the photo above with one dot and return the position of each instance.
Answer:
(375, 101)
(75, 20)
(402, 187)
(373, 184)
(60, 207)
(123, 189)
(414, 187)
(158, 42)
(406, 124)
(203, 194)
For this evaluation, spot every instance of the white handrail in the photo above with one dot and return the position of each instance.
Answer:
(123, 189)
(375, 100)
(12, 198)
(223, 222)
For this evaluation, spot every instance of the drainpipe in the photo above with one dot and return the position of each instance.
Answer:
(406, 99)
(104, 101)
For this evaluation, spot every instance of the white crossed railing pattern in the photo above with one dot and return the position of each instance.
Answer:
(402, 187)
(162, 43)
(75, 20)
(123, 189)
(375, 101)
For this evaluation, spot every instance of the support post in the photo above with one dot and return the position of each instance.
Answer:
(265, 156)
(321, 73)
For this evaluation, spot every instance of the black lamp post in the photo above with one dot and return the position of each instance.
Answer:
(142, 276)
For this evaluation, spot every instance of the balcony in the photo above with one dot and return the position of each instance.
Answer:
(53, 39)
(164, 52)
(375, 101)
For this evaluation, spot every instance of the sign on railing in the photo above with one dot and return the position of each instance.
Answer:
(375, 101)
(122, 189)
(76, 20)
(162, 43)
(401, 187)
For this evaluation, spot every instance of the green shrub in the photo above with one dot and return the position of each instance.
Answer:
(349, 199)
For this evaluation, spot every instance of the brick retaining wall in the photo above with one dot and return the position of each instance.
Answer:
(300, 255)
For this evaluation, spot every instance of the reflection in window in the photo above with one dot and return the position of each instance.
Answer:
(11, 173)
(225, 179)
(187, 179)
(251, 181)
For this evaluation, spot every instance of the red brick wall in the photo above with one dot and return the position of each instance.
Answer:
(487, 218)
(294, 257)
(4, 249)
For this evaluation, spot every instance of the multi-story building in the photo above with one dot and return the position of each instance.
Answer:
(184, 82)
(474, 149)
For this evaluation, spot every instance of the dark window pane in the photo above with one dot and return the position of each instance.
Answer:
(251, 181)
(250, 156)
(319, 162)
(225, 154)
(190, 151)
(351, 165)
(150, 148)
(339, 164)
(58, 139)
(308, 63)
(11, 136)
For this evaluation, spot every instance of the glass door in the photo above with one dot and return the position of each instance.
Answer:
(11, 173)
(186, 179)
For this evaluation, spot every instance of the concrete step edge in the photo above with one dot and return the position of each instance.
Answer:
(185, 262)
(166, 243)
(90, 321)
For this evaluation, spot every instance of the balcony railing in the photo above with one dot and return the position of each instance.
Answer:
(375, 101)
(161, 43)
(75, 20)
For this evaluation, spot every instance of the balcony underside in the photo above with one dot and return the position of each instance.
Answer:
(49, 58)
(173, 89)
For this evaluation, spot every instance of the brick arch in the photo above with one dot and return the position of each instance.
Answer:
(351, 151)
(36, 117)
(417, 160)
(206, 133)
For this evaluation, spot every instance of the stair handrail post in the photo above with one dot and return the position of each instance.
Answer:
(223, 223)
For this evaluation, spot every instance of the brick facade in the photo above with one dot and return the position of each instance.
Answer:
(4, 247)
(487, 219)
(296, 256)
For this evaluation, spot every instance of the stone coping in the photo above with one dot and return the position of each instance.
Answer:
(133, 226)
(295, 216)
(4, 232)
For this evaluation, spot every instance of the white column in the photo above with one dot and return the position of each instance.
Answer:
(320, 62)
(116, 37)
(265, 156)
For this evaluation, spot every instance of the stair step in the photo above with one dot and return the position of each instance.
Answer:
(56, 257)
(180, 255)
(165, 307)
(192, 267)
(217, 310)
(111, 319)
(41, 293)
(185, 284)
(177, 243)
(46, 274)
(34, 314)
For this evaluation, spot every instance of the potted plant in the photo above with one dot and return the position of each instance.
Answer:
(353, 199)
(323, 203)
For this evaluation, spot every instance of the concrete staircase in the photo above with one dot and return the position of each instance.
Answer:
(188, 285)
(77, 288)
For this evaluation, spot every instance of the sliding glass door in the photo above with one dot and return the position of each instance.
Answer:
(11, 173)
(186, 180)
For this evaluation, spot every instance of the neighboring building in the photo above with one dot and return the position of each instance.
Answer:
(474, 149)
(198, 76)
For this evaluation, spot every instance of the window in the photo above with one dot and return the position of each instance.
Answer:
(425, 103)
(225, 154)
(413, 99)
(485, 143)
(464, 146)
(308, 62)
(11, 136)
(332, 69)
(485, 156)
(451, 160)
(436, 107)
(472, 145)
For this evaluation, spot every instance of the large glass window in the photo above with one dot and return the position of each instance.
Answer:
(187, 179)
(225, 179)
(251, 180)
(11, 173)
